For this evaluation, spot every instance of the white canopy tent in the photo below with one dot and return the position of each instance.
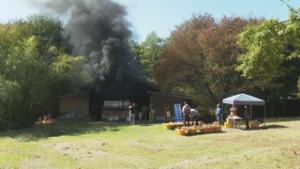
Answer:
(244, 99)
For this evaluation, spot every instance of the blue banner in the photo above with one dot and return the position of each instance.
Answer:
(177, 112)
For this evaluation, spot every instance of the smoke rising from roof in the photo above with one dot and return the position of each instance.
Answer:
(100, 32)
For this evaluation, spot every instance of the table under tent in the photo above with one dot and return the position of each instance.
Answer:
(244, 99)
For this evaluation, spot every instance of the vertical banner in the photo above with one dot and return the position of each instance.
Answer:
(177, 112)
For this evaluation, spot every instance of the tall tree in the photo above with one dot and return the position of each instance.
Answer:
(50, 32)
(31, 77)
(269, 45)
(201, 55)
(146, 54)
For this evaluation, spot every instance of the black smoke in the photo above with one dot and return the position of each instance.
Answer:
(99, 31)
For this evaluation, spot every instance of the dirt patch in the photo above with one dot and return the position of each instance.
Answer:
(49, 144)
(67, 146)
(210, 159)
(95, 142)
(185, 163)
(82, 150)
(23, 139)
(137, 143)
(8, 150)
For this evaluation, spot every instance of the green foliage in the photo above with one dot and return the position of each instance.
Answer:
(32, 72)
(50, 32)
(146, 54)
(269, 45)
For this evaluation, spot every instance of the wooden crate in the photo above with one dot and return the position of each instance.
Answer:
(178, 125)
(192, 131)
(217, 129)
(180, 132)
(253, 125)
(210, 129)
(204, 130)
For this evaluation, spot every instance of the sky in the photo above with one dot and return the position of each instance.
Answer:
(163, 15)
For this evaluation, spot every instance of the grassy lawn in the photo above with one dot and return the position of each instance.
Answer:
(86, 144)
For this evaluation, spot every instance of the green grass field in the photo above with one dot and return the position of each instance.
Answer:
(86, 144)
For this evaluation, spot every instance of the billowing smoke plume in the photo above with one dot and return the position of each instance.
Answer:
(100, 32)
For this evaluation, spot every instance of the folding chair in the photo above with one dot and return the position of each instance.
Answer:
(236, 124)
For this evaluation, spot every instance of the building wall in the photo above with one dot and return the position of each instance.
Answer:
(78, 101)
(159, 102)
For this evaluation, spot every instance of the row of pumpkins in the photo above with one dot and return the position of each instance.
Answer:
(201, 128)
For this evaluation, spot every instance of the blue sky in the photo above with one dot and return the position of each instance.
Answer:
(162, 15)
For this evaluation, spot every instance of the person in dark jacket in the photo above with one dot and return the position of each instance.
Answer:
(132, 113)
(247, 116)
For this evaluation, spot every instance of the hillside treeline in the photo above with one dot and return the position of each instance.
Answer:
(204, 57)
(210, 59)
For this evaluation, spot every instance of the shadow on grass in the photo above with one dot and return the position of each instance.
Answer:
(201, 134)
(74, 127)
(70, 127)
(273, 126)
(263, 127)
(283, 119)
(143, 123)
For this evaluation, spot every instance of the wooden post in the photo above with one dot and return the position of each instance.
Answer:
(165, 113)
(167, 107)
(265, 112)
(251, 112)
(44, 129)
(36, 129)
(222, 116)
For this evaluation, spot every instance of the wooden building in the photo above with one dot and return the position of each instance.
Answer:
(94, 105)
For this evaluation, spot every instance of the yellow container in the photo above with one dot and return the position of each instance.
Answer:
(167, 126)
(180, 132)
(228, 125)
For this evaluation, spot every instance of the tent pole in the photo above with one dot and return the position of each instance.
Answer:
(251, 112)
(265, 111)
(222, 112)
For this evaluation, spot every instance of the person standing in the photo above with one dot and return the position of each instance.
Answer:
(246, 116)
(144, 111)
(132, 113)
(140, 114)
(186, 114)
(152, 112)
(218, 113)
(194, 116)
(233, 111)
